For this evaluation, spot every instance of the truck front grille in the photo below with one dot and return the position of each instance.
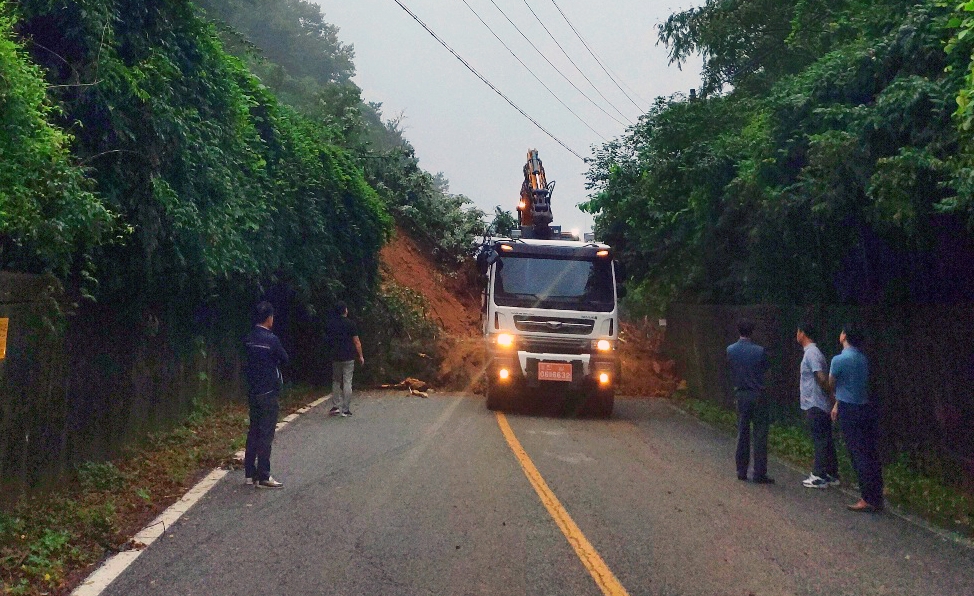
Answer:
(554, 325)
(554, 345)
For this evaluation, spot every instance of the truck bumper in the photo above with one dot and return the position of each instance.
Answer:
(522, 369)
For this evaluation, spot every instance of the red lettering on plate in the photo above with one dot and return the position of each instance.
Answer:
(555, 371)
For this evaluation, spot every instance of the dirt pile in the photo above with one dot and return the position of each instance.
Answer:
(645, 372)
(454, 304)
(451, 305)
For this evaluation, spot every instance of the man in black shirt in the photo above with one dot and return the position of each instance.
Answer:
(264, 357)
(345, 349)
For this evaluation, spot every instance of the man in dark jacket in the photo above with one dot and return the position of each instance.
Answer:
(748, 362)
(264, 357)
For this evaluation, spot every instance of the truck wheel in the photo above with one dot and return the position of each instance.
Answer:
(600, 403)
(498, 398)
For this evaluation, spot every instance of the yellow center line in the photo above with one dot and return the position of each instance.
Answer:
(600, 572)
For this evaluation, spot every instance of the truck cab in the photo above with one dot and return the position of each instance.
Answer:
(550, 319)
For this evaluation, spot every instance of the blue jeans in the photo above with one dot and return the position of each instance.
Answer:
(752, 409)
(860, 427)
(820, 427)
(263, 423)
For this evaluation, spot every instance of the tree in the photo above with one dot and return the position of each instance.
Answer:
(50, 221)
(503, 223)
(837, 179)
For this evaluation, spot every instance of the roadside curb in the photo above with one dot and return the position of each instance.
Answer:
(111, 568)
(894, 510)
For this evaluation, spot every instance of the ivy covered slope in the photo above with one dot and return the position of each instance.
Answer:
(47, 209)
(218, 187)
(820, 162)
(292, 48)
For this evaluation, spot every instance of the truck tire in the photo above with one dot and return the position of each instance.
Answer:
(498, 398)
(599, 403)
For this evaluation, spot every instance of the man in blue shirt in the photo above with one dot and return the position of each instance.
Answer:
(265, 355)
(813, 384)
(748, 362)
(848, 378)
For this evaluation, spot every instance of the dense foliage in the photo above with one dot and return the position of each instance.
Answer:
(221, 184)
(275, 38)
(821, 162)
(212, 157)
(174, 164)
(47, 209)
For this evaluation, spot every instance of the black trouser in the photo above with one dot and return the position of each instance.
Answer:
(820, 427)
(752, 408)
(860, 426)
(263, 422)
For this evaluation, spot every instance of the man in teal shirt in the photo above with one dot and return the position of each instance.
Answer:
(849, 379)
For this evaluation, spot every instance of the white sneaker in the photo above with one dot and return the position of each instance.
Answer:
(269, 483)
(814, 481)
(248, 481)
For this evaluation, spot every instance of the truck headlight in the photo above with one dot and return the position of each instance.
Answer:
(602, 345)
(505, 340)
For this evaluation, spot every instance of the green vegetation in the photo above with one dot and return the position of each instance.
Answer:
(400, 322)
(208, 162)
(47, 208)
(818, 165)
(275, 38)
(224, 188)
(930, 495)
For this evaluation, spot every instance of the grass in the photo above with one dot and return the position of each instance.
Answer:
(49, 542)
(928, 495)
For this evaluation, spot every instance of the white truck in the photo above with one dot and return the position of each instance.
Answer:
(550, 311)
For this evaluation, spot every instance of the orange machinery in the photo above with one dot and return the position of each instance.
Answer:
(534, 208)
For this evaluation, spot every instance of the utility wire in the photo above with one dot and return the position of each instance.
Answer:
(537, 78)
(597, 59)
(584, 76)
(540, 53)
(488, 83)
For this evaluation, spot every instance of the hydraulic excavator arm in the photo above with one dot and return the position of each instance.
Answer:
(534, 208)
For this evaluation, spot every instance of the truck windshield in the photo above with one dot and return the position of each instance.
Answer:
(555, 283)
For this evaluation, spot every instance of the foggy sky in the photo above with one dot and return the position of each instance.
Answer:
(461, 128)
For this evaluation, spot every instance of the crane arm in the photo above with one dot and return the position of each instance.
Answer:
(534, 208)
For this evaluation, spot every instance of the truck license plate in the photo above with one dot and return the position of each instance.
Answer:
(555, 371)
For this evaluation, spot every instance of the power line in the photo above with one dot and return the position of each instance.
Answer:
(488, 83)
(528, 68)
(584, 76)
(597, 59)
(540, 53)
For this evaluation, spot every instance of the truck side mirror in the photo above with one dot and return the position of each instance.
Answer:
(485, 259)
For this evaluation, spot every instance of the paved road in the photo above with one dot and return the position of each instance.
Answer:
(426, 496)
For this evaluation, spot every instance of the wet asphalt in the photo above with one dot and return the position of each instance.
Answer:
(424, 496)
